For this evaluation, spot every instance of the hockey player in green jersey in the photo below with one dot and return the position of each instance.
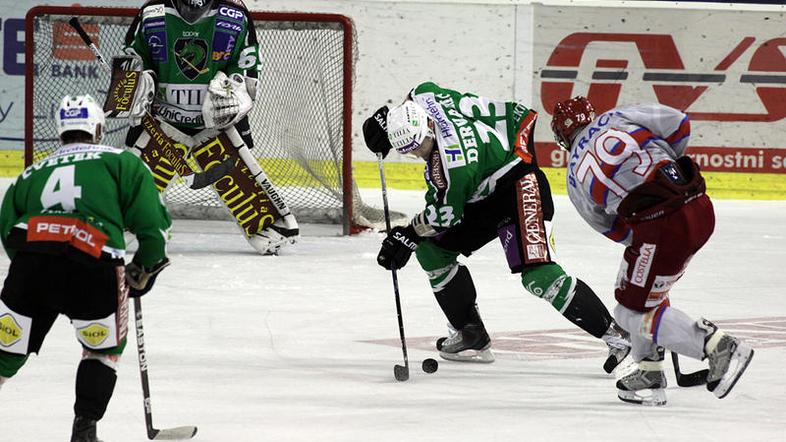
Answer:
(483, 181)
(62, 224)
(202, 58)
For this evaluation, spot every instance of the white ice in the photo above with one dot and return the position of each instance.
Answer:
(253, 348)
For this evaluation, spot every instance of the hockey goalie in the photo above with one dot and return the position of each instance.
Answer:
(187, 80)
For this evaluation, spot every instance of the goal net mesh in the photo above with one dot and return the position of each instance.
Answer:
(296, 123)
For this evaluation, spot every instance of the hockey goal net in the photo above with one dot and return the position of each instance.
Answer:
(301, 122)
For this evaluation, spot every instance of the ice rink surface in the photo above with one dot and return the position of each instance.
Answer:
(301, 346)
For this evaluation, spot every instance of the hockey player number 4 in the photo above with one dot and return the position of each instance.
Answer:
(60, 189)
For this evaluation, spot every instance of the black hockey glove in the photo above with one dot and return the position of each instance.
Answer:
(375, 132)
(140, 280)
(397, 247)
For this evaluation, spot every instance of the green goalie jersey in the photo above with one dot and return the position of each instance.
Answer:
(85, 196)
(185, 57)
(478, 141)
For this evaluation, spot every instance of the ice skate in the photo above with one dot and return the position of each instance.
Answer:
(728, 358)
(618, 341)
(270, 240)
(470, 344)
(646, 385)
(84, 430)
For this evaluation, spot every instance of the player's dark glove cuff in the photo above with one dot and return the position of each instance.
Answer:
(140, 279)
(375, 132)
(397, 247)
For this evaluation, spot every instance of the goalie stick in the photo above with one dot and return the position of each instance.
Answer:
(688, 379)
(401, 372)
(196, 180)
(186, 432)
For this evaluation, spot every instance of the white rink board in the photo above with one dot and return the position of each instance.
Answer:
(253, 348)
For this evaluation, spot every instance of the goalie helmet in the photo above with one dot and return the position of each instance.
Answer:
(80, 113)
(407, 127)
(570, 116)
(192, 10)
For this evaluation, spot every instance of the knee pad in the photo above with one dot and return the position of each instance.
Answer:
(550, 283)
(440, 264)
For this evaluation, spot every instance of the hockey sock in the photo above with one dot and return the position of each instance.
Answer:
(95, 383)
(665, 326)
(587, 311)
(457, 297)
(570, 296)
(10, 363)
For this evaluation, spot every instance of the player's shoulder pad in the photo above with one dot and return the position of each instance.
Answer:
(235, 3)
(154, 8)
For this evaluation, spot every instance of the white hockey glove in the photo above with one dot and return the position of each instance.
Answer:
(227, 101)
(140, 279)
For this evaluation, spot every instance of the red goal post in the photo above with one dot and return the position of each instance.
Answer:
(302, 122)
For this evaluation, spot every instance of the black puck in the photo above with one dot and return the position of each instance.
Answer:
(430, 365)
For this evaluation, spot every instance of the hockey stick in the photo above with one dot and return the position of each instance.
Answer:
(401, 372)
(196, 180)
(153, 433)
(688, 379)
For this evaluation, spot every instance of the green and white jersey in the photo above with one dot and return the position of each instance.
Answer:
(478, 141)
(87, 195)
(186, 56)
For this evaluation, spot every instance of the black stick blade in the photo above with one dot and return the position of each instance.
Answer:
(401, 372)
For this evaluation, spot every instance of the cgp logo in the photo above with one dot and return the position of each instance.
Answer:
(665, 71)
(230, 12)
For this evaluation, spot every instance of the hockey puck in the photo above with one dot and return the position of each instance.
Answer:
(430, 365)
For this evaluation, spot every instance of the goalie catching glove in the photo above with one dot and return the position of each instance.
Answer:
(227, 101)
(398, 247)
(140, 279)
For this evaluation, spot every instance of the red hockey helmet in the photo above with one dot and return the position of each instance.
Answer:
(570, 116)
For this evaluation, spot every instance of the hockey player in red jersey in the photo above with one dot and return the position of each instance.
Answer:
(629, 178)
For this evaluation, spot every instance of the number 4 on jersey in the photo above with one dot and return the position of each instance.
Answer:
(60, 189)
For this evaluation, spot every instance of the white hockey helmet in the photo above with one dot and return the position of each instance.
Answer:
(80, 113)
(408, 127)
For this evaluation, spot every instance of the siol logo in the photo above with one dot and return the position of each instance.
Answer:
(10, 330)
(94, 334)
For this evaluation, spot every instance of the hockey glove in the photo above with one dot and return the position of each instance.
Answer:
(140, 280)
(375, 132)
(397, 247)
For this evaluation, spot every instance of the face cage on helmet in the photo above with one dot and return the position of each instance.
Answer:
(192, 14)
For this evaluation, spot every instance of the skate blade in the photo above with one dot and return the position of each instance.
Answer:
(742, 356)
(655, 398)
(477, 356)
